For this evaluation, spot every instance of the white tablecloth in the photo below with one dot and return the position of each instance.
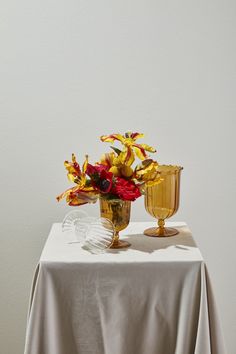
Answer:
(152, 298)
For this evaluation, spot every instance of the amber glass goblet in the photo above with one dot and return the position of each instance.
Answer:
(118, 212)
(162, 200)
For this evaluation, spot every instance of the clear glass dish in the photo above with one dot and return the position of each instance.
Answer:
(96, 234)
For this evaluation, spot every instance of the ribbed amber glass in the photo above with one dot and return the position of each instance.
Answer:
(118, 211)
(162, 200)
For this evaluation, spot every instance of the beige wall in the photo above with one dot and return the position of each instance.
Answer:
(73, 70)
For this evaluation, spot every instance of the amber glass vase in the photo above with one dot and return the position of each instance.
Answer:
(162, 200)
(118, 211)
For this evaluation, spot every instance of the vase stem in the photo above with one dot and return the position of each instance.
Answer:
(161, 224)
(115, 239)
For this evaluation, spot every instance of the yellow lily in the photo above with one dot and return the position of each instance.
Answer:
(78, 196)
(74, 172)
(131, 148)
(112, 161)
(108, 159)
(147, 172)
(83, 192)
(115, 165)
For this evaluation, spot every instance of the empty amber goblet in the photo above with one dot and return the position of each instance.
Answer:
(118, 212)
(162, 200)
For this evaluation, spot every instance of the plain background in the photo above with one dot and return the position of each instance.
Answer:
(71, 71)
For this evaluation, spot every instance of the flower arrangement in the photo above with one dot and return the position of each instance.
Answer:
(114, 176)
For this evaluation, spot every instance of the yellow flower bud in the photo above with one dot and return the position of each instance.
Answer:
(115, 171)
(126, 171)
(116, 161)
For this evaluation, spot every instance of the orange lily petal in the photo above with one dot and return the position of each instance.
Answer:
(140, 153)
(85, 164)
(75, 199)
(111, 138)
(147, 147)
(67, 192)
(107, 159)
(135, 136)
(127, 157)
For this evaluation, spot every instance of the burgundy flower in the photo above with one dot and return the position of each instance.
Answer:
(101, 179)
(104, 183)
(95, 169)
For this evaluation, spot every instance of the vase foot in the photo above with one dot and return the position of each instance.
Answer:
(120, 244)
(158, 232)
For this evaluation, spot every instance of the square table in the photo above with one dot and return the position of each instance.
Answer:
(154, 297)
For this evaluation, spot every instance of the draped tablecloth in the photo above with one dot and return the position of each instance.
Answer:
(152, 298)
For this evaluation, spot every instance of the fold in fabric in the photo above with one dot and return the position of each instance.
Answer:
(209, 334)
(154, 298)
(119, 309)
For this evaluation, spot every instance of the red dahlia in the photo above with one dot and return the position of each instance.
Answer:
(125, 190)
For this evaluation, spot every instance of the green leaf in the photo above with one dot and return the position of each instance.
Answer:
(118, 151)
